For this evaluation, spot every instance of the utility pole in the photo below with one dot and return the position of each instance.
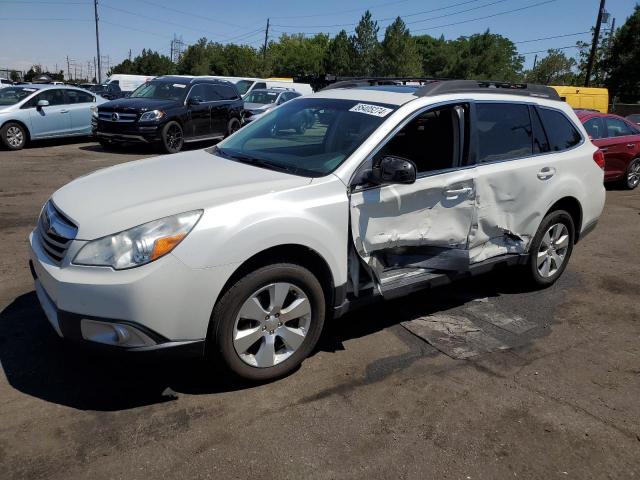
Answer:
(535, 61)
(594, 44)
(129, 54)
(94, 71)
(68, 69)
(266, 39)
(612, 33)
(95, 11)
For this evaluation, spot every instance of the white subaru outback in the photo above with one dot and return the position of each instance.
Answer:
(244, 249)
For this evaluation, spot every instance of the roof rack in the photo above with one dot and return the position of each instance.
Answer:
(439, 86)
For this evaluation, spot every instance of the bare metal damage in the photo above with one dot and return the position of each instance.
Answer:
(428, 225)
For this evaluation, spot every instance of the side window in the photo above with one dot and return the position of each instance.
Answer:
(260, 85)
(540, 141)
(595, 128)
(504, 131)
(562, 134)
(433, 140)
(617, 127)
(54, 96)
(227, 92)
(212, 93)
(76, 96)
(199, 93)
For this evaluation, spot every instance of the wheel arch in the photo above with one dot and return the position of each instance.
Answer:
(572, 206)
(22, 124)
(289, 253)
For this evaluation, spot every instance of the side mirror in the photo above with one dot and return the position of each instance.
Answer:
(193, 101)
(394, 170)
(42, 103)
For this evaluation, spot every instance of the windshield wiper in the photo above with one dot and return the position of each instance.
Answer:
(254, 161)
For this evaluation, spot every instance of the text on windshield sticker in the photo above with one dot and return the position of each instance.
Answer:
(374, 110)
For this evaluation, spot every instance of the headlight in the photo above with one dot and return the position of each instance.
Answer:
(151, 115)
(94, 111)
(138, 245)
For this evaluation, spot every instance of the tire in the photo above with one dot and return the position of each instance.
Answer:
(274, 348)
(542, 268)
(106, 144)
(632, 176)
(172, 137)
(302, 127)
(14, 136)
(233, 126)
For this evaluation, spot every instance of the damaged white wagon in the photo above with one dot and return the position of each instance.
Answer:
(360, 191)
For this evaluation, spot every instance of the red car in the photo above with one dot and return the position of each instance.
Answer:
(619, 140)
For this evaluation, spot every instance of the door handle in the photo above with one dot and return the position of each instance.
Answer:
(546, 173)
(605, 149)
(64, 111)
(631, 145)
(457, 191)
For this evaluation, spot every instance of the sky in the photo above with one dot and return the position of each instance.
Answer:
(46, 32)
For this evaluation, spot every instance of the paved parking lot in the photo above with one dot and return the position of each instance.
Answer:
(560, 400)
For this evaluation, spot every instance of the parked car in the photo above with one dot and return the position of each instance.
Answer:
(5, 83)
(169, 111)
(246, 85)
(242, 250)
(634, 118)
(595, 98)
(35, 112)
(109, 91)
(260, 101)
(619, 140)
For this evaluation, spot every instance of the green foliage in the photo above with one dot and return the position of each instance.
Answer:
(554, 69)
(147, 63)
(435, 54)
(623, 62)
(14, 76)
(297, 55)
(340, 54)
(36, 71)
(210, 58)
(366, 46)
(400, 55)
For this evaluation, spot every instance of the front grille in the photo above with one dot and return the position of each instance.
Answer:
(118, 117)
(55, 232)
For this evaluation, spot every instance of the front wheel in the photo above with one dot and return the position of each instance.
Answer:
(172, 137)
(268, 322)
(632, 178)
(551, 248)
(233, 127)
(14, 136)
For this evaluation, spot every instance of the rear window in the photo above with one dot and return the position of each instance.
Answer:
(561, 133)
(504, 131)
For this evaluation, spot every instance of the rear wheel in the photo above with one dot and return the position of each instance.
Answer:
(172, 137)
(233, 127)
(13, 135)
(632, 179)
(551, 248)
(268, 322)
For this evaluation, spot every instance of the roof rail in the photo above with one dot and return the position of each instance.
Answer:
(487, 86)
(355, 82)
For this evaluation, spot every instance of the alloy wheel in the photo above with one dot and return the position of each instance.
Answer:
(633, 177)
(272, 324)
(174, 138)
(553, 250)
(15, 136)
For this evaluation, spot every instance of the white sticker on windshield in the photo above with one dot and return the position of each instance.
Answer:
(374, 110)
(30, 89)
(179, 85)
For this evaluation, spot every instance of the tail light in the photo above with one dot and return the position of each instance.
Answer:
(598, 157)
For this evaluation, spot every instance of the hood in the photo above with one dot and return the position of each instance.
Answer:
(139, 104)
(117, 198)
(258, 106)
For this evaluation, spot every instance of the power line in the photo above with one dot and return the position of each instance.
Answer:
(360, 9)
(191, 14)
(551, 38)
(543, 51)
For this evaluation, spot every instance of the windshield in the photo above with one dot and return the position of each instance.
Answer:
(161, 91)
(309, 137)
(243, 86)
(12, 95)
(262, 97)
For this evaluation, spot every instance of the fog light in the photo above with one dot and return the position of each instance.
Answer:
(117, 334)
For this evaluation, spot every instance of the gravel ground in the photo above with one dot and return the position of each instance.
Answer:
(374, 401)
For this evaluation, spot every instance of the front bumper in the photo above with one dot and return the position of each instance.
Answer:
(161, 305)
(126, 132)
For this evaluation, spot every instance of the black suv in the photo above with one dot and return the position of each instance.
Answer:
(171, 110)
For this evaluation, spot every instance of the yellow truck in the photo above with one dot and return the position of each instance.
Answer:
(585, 97)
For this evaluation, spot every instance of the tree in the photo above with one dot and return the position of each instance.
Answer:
(554, 69)
(400, 57)
(195, 60)
(366, 46)
(623, 63)
(14, 76)
(297, 55)
(147, 63)
(36, 71)
(484, 56)
(435, 54)
(339, 55)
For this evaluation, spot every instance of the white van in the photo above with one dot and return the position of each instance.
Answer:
(128, 83)
(247, 84)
